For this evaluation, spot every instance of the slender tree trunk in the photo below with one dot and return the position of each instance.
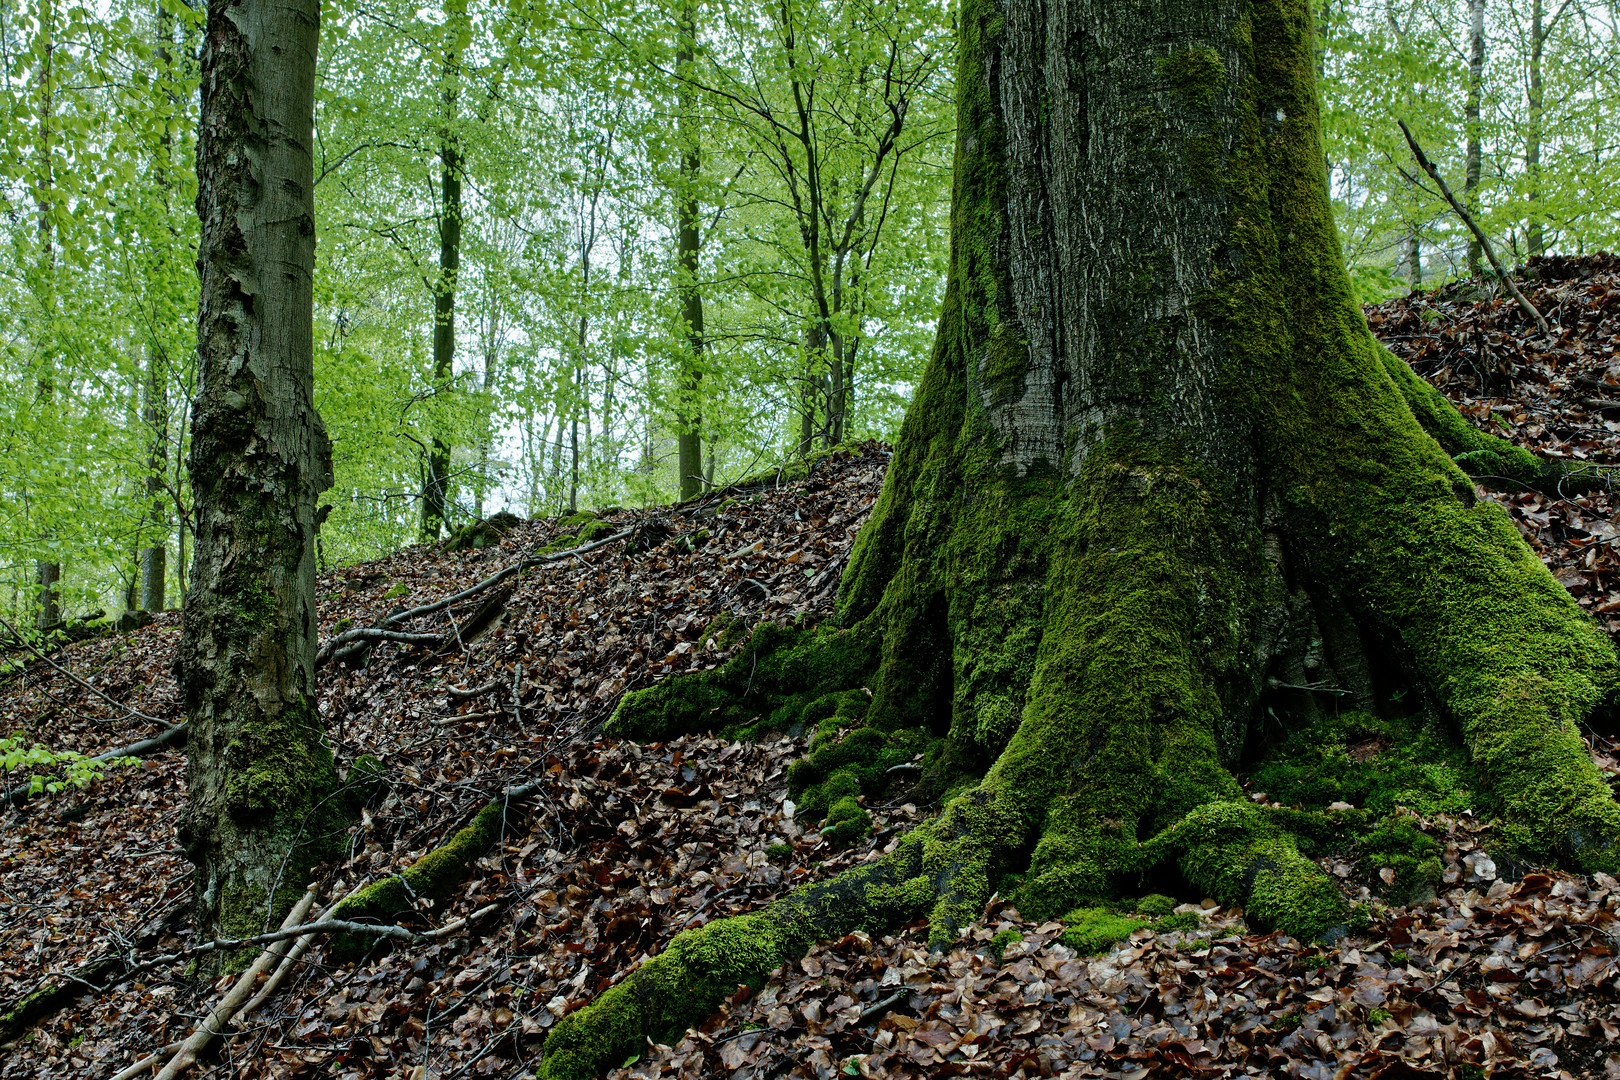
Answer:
(1471, 157)
(491, 370)
(259, 770)
(435, 488)
(152, 559)
(45, 198)
(48, 573)
(1534, 241)
(573, 434)
(1156, 469)
(154, 571)
(1414, 260)
(688, 419)
(48, 599)
(154, 414)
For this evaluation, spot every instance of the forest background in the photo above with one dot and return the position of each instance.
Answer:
(578, 255)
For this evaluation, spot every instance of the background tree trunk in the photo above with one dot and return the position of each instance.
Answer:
(259, 771)
(48, 575)
(1471, 156)
(436, 483)
(689, 433)
(1535, 242)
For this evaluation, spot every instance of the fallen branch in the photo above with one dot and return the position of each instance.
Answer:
(872, 1010)
(205, 1032)
(277, 977)
(476, 691)
(384, 632)
(1479, 234)
(129, 710)
(54, 992)
(325, 926)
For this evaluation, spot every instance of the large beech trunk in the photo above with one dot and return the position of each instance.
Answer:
(258, 769)
(1158, 482)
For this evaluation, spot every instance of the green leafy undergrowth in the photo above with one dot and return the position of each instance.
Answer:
(63, 768)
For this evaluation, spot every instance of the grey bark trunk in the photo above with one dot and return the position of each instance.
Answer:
(45, 196)
(435, 486)
(154, 568)
(492, 368)
(689, 423)
(1476, 82)
(1534, 240)
(47, 575)
(258, 768)
(1414, 260)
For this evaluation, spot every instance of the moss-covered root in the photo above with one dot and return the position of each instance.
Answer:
(1236, 853)
(1487, 458)
(434, 876)
(1381, 512)
(686, 982)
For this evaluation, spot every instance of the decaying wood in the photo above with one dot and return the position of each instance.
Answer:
(207, 1031)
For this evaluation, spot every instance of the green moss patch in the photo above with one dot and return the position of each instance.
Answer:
(1396, 844)
(1089, 931)
(1197, 76)
(1374, 764)
(435, 876)
(846, 822)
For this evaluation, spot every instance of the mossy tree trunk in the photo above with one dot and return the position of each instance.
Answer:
(258, 769)
(1158, 482)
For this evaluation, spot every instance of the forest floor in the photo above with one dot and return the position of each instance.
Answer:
(626, 845)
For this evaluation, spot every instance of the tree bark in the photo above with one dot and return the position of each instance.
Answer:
(1471, 156)
(48, 575)
(45, 197)
(259, 771)
(154, 568)
(1535, 243)
(1156, 473)
(688, 420)
(436, 481)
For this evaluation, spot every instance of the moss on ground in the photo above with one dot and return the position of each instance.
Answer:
(1397, 844)
(1375, 764)
(1089, 931)
(1004, 938)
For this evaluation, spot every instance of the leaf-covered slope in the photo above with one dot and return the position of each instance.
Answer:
(626, 844)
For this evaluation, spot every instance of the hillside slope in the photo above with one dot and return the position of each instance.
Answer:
(621, 846)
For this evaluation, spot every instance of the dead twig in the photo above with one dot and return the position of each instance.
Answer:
(129, 710)
(1479, 234)
(205, 1032)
